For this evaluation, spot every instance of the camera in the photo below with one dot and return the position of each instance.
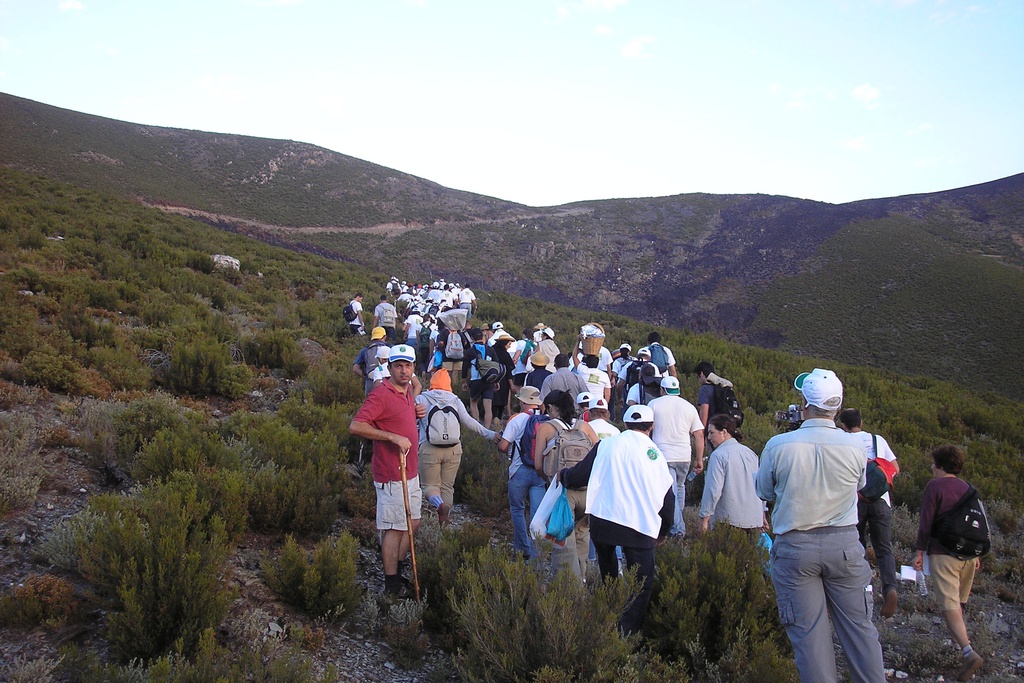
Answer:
(789, 419)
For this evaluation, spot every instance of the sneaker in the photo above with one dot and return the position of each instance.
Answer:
(972, 663)
(444, 514)
(890, 604)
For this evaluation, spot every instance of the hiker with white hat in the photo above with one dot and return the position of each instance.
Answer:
(818, 568)
(630, 502)
(679, 434)
(388, 418)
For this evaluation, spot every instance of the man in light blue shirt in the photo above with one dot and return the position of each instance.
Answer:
(818, 566)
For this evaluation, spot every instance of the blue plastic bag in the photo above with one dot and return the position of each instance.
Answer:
(561, 522)
(766, 542)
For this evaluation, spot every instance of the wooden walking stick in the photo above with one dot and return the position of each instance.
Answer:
(408, 526)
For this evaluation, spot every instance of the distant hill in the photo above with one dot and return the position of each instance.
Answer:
(926, 284)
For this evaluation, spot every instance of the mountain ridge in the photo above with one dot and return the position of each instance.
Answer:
(725, 264)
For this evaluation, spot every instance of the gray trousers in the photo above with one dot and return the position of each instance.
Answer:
(818, 573)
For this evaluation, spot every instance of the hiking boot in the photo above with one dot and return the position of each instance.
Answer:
(444, 514)
(890, 603)
(972, 663)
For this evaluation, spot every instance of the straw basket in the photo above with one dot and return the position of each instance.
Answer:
(592, 345)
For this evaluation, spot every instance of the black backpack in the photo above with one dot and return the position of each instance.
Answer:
(633, 373)
(349, 312)
(726, 402)
(964, 531)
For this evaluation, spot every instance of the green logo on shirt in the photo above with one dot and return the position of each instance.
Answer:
(652, 454)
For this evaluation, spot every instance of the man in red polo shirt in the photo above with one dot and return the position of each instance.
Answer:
(388, 418)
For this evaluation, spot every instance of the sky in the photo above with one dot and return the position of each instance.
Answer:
(548, 102)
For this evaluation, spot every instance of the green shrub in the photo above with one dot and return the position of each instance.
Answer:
(276, 350)
(22, 670)
(135, 423)
(712, 597)
(121, 367)
(298, 478)
(262, 661)
(333, 385)
(324, 585)
(482, 480)
(435, 561)
(64, 546)
(21, 465)
(41, 600)
(58, 373)
(403, 631)
(203, 367)
(159, 558)
(186, 446)
(514, 625)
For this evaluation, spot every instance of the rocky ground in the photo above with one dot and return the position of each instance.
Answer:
(915, 642)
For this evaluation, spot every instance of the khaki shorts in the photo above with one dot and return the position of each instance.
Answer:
(952, 579)
(454, 368)
(391, 503)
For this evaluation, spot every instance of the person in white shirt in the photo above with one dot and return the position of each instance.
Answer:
(597, 380)
(679, 434)
(356, 326)
(876, 516)
(467, 300)
(598, 413)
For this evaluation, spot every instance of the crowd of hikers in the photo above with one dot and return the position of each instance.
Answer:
(602, 446)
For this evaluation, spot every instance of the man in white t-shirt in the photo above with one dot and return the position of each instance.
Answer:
(355, 326)
(597, 411)
(467, 300)
(597, 380)
(876, 517)
(413, 322)
(524, 481)
(679, 434)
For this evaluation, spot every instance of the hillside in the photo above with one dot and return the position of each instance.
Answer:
(940, 296)
(167, 425)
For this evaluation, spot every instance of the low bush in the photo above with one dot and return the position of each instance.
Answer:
(41, 600)
(203, 367)
(64, 546)
(188, 446)
(515, 626)
(47, 368)
(21, 465)
(324, 584)
(482, 481)
(403, 631)
(260, 662)
(712, 604)
(435, 560)
(121, 367)
(298, 478)
(158, 556)
(276, 350)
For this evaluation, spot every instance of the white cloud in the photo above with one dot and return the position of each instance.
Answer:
(921, 129)
(603, 5)
(70, 6)
(635, 49)
(857, 144)
(603, 30)
(5, 46)
(867, 95)
(416, 3)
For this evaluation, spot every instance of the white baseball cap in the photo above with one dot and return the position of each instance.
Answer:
(670, 385)
(821, 388)
(583, 397)
(638, 413)
(598, 402)
(644, 351)
(403, 352)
